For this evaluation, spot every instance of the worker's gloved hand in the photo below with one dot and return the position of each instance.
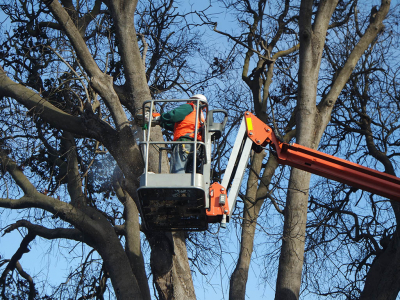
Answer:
(156, 119)
(145, 119)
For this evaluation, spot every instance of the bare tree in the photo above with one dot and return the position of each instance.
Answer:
(73, 77)
(270, 35)
(75, 74)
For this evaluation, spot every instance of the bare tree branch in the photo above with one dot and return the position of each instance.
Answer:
(50, 234)
(23, 248)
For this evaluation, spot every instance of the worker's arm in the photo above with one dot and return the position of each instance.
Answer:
(168, 119)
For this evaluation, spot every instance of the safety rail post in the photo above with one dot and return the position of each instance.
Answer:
(146, 166)
(195, 143)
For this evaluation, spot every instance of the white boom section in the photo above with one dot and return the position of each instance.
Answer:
(237, 166)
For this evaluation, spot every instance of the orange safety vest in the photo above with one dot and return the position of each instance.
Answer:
(185, 128)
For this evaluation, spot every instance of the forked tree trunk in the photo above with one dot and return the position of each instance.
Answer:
(311, 121)
(312, 39)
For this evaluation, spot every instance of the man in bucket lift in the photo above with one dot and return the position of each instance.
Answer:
(181, 121)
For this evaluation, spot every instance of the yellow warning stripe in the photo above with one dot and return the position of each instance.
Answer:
(249, 124)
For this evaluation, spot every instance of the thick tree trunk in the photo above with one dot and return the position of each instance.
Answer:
(100, 234)
(161, 262)
(383, 279)
(170, 266)
(312, 38)
(133, 246)
(183, 283)
(132, 235)
(292, 251)
(116, 261)
(134, 68)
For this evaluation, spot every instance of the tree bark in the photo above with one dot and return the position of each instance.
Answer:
(312, 39)
(122, 12)
(133, 246)
(117, 264)
(292, 250)
(383, 279)
(311, 121)
(170, 265)
(182, 276)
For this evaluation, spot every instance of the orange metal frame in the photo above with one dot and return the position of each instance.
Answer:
(309, 160)
(216, 210)
(322, 164)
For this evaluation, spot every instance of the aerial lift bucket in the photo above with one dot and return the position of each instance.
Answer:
(180, 207)
(172, 202)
